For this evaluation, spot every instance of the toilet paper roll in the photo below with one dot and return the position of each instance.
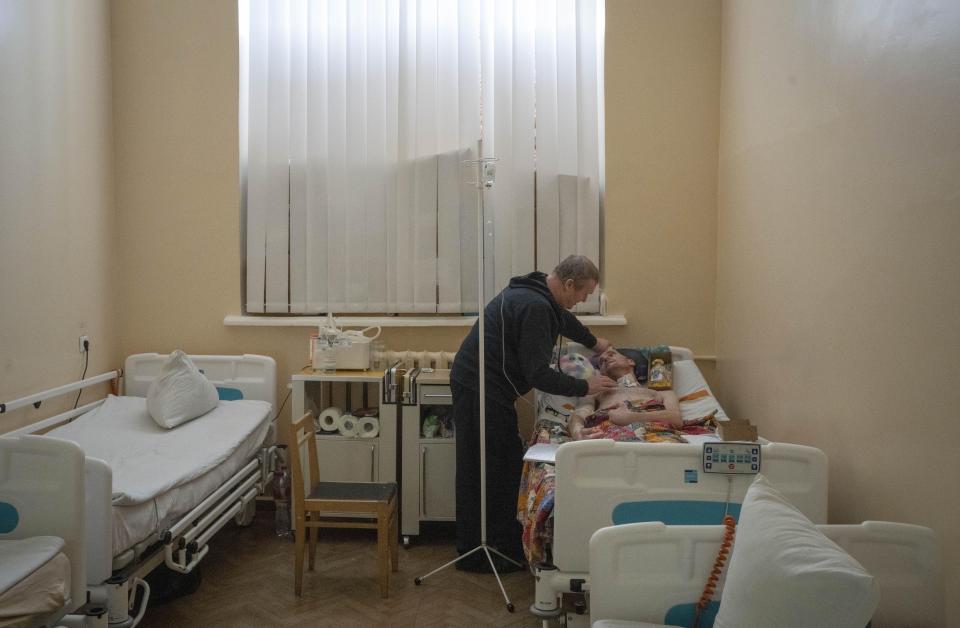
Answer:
(369, 427)
(329, 419)
(349, 426)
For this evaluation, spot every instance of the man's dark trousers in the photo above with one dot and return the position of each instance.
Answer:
(504, 465)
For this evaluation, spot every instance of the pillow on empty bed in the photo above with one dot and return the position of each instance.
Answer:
(181, 393)
(784, 572)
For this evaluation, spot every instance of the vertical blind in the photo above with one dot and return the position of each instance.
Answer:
(356, 119)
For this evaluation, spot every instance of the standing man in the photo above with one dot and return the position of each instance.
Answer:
(522, 325)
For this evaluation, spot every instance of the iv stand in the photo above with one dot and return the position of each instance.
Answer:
(485, 176)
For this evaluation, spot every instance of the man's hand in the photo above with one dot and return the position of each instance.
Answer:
(602, 345)
(600, 383)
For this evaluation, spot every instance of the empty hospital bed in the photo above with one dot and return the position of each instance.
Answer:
(42, 569)
(156, 496)
(601, 483)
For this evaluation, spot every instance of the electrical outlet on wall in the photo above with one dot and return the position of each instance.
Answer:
(84, 344)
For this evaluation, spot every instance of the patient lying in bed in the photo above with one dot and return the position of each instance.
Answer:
(631, 413)
(630, 404)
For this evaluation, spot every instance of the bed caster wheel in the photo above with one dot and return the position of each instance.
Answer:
(417, 581)
(245, 517)
(510, 607)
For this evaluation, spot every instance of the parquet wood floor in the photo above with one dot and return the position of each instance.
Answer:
(248, 583)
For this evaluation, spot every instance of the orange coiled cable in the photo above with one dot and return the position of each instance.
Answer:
(718, 564)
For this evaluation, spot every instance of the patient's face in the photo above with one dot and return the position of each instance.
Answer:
(614, 362)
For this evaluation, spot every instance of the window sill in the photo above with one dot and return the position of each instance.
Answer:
(241, 320)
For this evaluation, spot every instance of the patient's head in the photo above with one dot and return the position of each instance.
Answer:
(614, 364)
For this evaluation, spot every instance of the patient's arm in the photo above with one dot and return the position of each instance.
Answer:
(670, 413)
(579, 416)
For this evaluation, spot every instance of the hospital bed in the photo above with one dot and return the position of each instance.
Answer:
(41, 531)
(157, 496)
(601, 483)
(654, 573)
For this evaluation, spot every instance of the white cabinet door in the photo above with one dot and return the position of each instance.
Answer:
(438, 481)
(347, 460)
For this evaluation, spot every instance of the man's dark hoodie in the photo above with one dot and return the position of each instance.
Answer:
(524, 321)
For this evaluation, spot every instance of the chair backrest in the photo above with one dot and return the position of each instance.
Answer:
(302, 433)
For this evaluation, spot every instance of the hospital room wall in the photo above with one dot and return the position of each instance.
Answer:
(57, 227)
(175, 97)
(839, 209)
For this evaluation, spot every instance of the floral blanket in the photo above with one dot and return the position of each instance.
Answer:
(538, 481)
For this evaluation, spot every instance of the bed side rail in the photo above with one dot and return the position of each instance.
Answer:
(37, 399)
(185, 543)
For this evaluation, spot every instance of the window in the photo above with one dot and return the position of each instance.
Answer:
(356, 117)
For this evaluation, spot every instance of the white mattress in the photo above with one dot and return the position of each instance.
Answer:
(132, 524)
(34, 579)
(160, 474)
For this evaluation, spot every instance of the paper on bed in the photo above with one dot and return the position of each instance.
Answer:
(148, 460)
(542, 452)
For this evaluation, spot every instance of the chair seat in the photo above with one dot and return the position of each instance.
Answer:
(354, 491)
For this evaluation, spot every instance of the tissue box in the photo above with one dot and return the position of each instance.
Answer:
(736, 429)
(354, 357)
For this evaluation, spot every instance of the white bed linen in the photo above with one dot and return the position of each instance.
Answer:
(34, 579)
(132, 524)
(148, 460)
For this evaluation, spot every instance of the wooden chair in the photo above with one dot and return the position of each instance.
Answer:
(363, 498)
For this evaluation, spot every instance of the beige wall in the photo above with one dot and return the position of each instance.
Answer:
(177, 169)
(838, 264)
(662, 120)
(57, 233)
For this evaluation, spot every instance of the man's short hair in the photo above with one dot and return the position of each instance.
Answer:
(579, 268)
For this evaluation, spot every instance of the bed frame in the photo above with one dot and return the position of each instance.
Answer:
(628, 482)
(654, 573)
(631, 482)
(112, 581)
(41, 486)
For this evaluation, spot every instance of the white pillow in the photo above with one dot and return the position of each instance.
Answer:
(181, 393)
(687, 379)
(784, 572)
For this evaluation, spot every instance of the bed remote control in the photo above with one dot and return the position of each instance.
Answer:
(731, 458)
